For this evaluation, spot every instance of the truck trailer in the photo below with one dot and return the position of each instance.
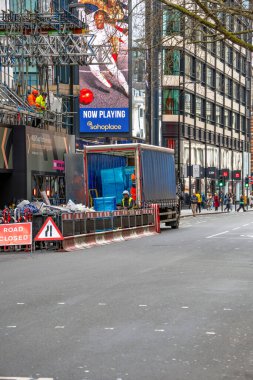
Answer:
(146, 170)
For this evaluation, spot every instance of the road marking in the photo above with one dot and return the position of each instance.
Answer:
(143, 305)
(185, 307)
(237, 228)
(25, 378)
(20, 303)
(159, 330)
(61, 303)
(210, 333)
(220, 233)
(11, 327)
(244, 225)
(59, 327)
(109, 328)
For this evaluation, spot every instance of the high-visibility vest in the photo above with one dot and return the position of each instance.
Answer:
(133, 192)
(130, 200)
(31, 100)
(40, 102)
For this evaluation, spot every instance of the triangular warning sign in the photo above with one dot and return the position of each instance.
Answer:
(49, 231)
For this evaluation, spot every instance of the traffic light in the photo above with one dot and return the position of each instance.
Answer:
(221, 181)
(246, 181)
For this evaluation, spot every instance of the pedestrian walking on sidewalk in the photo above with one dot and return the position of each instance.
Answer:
(216, 201)
(227, 202)
(199, 201)
(209, 202)
(241, 204)
(194, 203)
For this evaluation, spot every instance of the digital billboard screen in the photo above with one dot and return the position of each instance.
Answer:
(104, 87)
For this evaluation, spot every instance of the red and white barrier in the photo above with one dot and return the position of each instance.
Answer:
(77, 242)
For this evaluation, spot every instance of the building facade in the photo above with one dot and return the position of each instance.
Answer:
(206, 106)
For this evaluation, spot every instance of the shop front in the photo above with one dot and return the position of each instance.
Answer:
(31, 161)
(204, 164)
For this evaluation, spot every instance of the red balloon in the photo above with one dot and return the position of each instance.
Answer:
(86, 96)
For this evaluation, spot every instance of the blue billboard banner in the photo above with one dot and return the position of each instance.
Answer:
(104, 120)
(104, 87)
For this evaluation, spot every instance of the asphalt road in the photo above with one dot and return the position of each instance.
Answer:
(173, 306)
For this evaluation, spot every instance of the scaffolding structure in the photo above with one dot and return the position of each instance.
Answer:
(41, 34)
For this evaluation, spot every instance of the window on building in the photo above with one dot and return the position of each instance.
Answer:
(203, 73)
(189, 104)
(229, 55)
(190, 68)
(171, 22)
(248, 99)
(210, 112)
(203, 38)
(226, 117)
(237, 61)
(211, 47)
(243, 65)
(210, 77)
(237, 123)
(198, 71)
(243, 124)
(219, 115)
(200, 108)
(243, 95)
(170, 101)
(248, 126)
(220, 50)
(229, 87)
(220, 83)
(236, 91)
(171, 62)
(233, 120)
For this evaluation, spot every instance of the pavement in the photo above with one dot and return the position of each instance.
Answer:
(173, 306)
(185, 212)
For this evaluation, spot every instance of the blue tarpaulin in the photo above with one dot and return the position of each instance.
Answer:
(98, 162)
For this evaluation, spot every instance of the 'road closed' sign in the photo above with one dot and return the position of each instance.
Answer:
(16, 234)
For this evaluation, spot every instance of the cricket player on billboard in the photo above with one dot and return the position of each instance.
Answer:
(104, 83)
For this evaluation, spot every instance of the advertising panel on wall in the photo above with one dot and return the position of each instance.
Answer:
(104, 87)
(45, 152)
(6, 148)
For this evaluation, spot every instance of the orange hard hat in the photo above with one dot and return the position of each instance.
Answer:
(35, 92)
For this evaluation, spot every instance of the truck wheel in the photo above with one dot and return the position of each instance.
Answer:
(175, 225)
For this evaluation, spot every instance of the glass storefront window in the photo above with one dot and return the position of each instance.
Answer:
(170, 102)
(171, 62)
